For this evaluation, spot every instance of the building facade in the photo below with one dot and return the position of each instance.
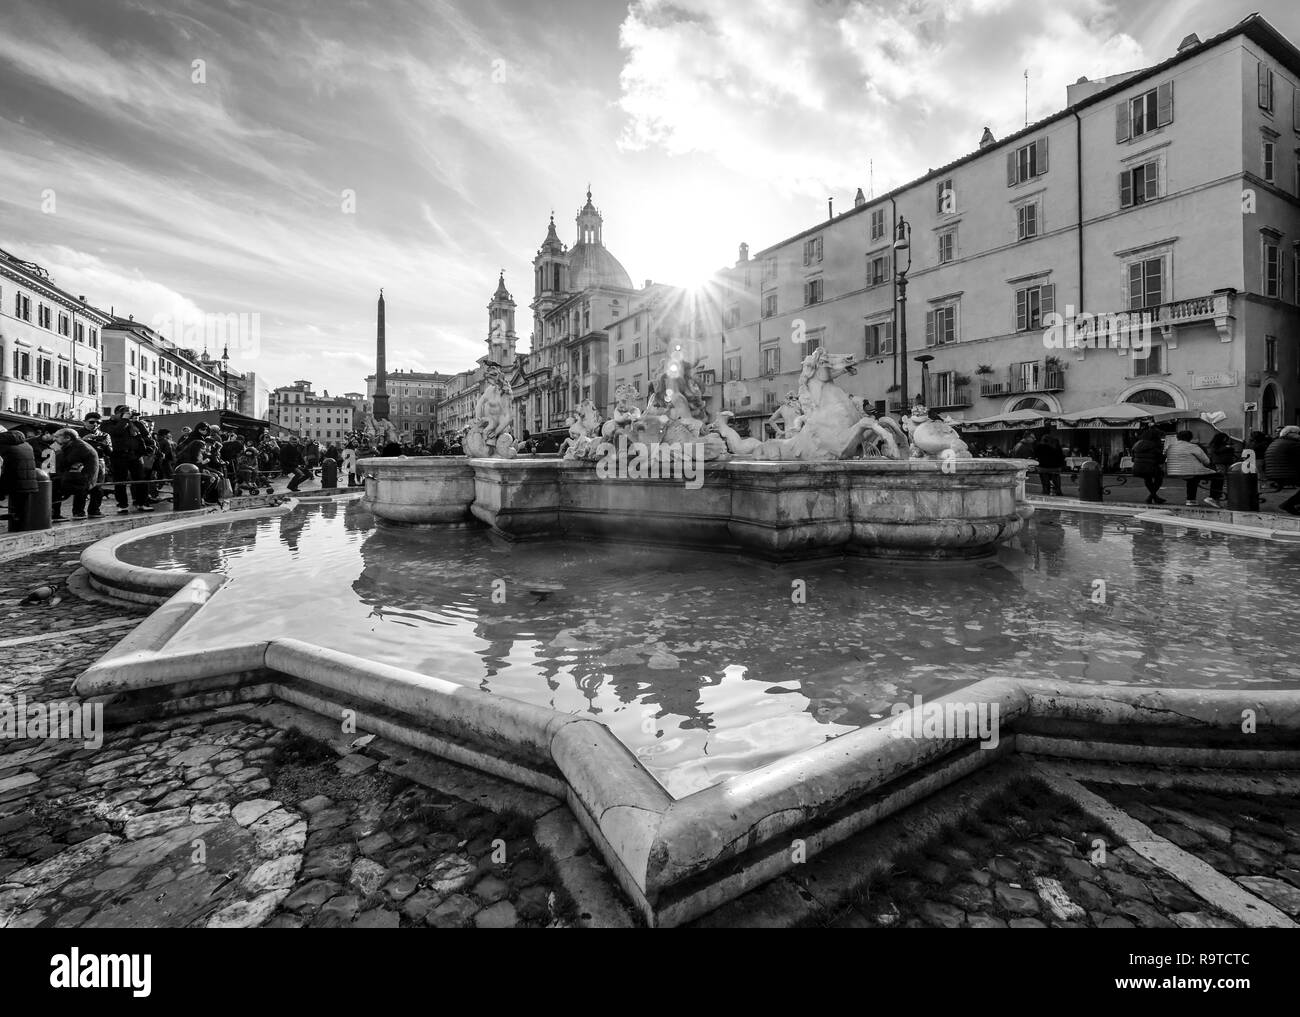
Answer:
(150, 373)
(413, 398)
(50, 345)
(1168, 197)
(299, 409)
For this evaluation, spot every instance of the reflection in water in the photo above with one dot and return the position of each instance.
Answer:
(703, 664)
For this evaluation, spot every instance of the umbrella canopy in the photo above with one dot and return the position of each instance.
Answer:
(1120, 415)
(1014, 419)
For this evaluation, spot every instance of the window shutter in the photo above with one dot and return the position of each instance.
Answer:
(1295, 108)
(1165, 104)
(1042, 155)
(1261, 78)
(819, 248)
(1121, 122)
(1152, 170)
(868, 346)
(1011, 169)
(805, 259)
(1125, 189)
(1022, 310)
(1047, 299)
(929, 328)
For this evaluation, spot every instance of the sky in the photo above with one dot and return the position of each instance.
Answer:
(287, 158)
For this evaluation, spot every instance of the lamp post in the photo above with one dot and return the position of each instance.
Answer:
(924, 360)
(225, 366)
(902, 245)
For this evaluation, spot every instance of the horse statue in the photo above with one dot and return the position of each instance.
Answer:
(489, 432)
(788, 418)
(584, 432)
(834, 425)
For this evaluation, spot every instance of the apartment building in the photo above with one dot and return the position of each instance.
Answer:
(50, 345)
(150, 373)
(299, 409)
(1170, 194)
(413, 398)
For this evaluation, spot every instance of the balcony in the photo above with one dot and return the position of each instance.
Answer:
(940, 396)
(1022, 378)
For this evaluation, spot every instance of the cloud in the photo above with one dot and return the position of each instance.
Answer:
(808, 94)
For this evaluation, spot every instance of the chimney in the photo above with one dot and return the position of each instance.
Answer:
(82, 298)
(1189, 42)
(859, 199)
(744, 252)
(649, 283)
(830, 208)
(987, 139)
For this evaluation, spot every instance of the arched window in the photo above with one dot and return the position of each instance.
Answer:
(1152, 397)
(1268, 415)
(1031, 403)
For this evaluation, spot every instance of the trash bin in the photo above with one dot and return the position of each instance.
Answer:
(187, 488)
(1090, 488)
(1242, 489)
(31, 510)
(329, 473)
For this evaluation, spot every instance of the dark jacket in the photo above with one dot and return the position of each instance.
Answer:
(78, 452)
(1024, 449)
(193, 451)
(1222, 455)
(17, 464)
(1281, 462)
(1050, 457)
(130, 439)
(1148, 457)
(290, 456)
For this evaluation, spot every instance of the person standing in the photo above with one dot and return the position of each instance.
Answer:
(1222, 455)
(1187, 461)
(1149, 463)
(76, 469)
(130, 441)
(103, 446)
(292, 464)
(1283, 465)
(1051, 461)
(17, 473)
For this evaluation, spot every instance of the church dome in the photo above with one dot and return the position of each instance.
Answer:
(592, 265)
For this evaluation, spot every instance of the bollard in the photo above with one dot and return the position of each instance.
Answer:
(1242, 489)
(1090, 482)
(187, 488)
(329, 473)
(31, 511)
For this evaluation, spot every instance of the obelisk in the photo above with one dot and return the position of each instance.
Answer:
(381, 373)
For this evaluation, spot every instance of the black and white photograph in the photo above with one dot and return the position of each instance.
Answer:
(712, 464)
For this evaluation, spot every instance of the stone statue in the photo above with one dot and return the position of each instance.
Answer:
(489, 432)
(382, 432)
(931, 437)
(584, 432)
(834, 424)
(788, 418)
(626, 414)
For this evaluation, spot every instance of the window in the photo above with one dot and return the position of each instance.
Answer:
(945, 198)
(1027, 162)
(81, 381)
(65, 376)
(636, 351)
(636, 324)
(1270, 354)
(79, 333)
(43, 316)
(636, 383)
(22, 307)
(1268, 161)
(1142, 115)
(769, 400)
(947, 246)
(92, 384)
(769, 268)
(1146, 283)
(1027, 221)
(812, 291)
(772, 360)
(878, 224)
(1027, 376)
(877, 270)
(618, 355)
(1272, 281)
(941, 325)
(132, 386)
(1139, 184)
(769, 305)
(22, 365)
(944, 390)
(133, 356)
(732, 367)
(812, 251)
(879, 339)
(813, 341)
(65, 325)
(1033, 304)
(1152, 363)
(94, 338)
(1264, 81)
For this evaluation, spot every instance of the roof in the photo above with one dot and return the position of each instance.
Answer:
(1254, 27)
(591, 265)
(35, 275)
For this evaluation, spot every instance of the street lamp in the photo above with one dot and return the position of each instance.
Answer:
(225, 365)
(902, 245)
(924, 360)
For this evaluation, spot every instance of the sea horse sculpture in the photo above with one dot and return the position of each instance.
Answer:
(834, 424)
(489, 433)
